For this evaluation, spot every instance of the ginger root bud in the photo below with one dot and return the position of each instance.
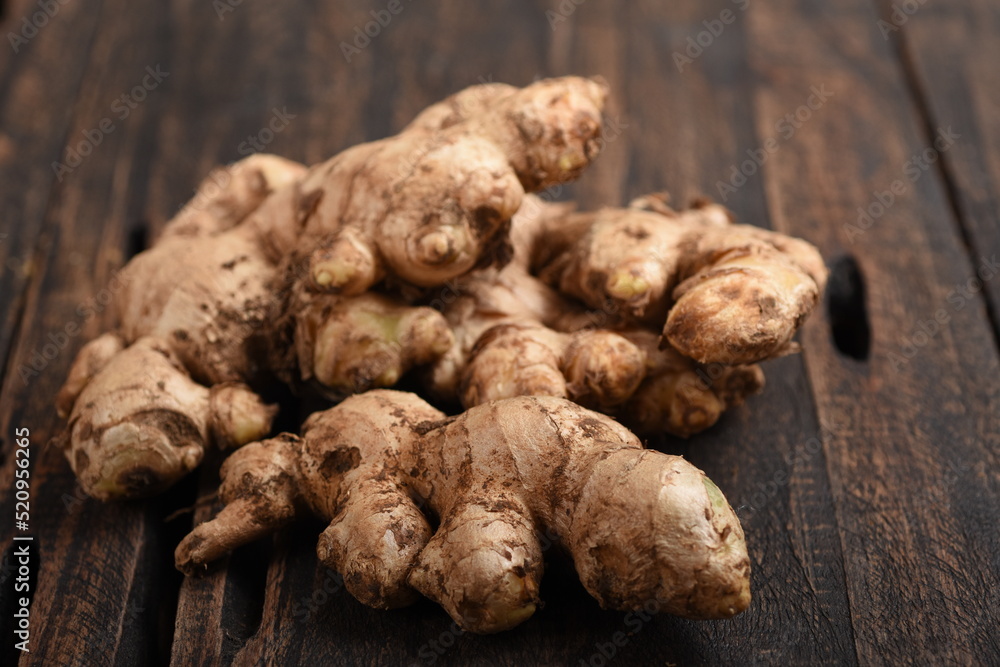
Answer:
(138, 426)
(366, 341)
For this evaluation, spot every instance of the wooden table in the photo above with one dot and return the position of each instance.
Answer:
(866, 475)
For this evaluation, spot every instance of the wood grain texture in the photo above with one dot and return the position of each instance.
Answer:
(797, 579)
(868, 488)
(217, 612)
(950, 51)
(100, 595)
(38, 84)
(913, 464)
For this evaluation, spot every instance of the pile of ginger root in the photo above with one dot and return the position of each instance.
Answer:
(428, 255)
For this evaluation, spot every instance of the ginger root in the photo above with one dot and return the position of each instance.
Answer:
(266, 272)
(516, 335)
(639, 525)
(434, 201)
(730, 294)
(507, 345)
(192, 309)
(140, 423)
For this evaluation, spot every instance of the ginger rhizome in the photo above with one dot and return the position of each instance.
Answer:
(723, 293)
(578, 313)
(267, 271)
(141, 422)
(325, 277)
(432, 202)
(191, 314)
(639, 525)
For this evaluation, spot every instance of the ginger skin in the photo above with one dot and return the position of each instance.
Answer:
(679, 396)
(729, 294)
(435, 199)
(140, 423)
(506, 346)
(516, 335)
(266, 271)
(640, 525)
(140, 413)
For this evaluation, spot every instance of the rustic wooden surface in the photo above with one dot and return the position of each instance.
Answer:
(867, 474)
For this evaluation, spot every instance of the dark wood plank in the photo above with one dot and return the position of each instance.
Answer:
(585, 43)
(867, 508)
(231, 91)
(100, 594)
(37, 89)
(217, 612)
(693, 121)
(951, 51)
(913, 462)
(798, 580)
(38, 84)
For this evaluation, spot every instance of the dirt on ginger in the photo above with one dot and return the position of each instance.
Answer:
(639, 525)
(266, 274)
(578, 313)
(722, 293)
